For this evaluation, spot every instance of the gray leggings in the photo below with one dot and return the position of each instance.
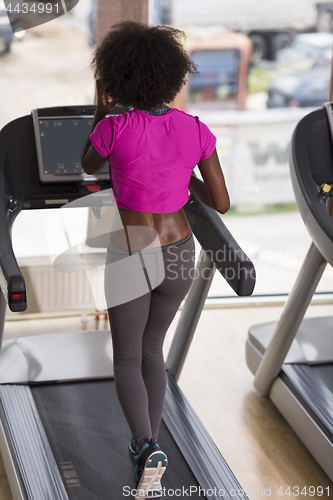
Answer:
(138, 329)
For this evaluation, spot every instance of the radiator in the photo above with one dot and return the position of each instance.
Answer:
(50, 291)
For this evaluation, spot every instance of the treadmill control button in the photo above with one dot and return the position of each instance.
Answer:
(326, 190)
(17, 297)
(92, 188)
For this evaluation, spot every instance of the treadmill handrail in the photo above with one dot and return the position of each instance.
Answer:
(11, 278)
(214, 237)
(305, 186)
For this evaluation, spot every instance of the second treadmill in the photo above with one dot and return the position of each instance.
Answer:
(292, 359)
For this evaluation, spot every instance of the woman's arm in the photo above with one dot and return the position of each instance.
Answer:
(213, 191)
(91, 161)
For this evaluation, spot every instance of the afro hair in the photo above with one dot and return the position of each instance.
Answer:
(142, 66)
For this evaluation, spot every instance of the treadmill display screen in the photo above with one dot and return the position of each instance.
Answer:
(59, 144)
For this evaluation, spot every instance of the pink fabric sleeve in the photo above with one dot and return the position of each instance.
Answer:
(101, 137)
(207, 140)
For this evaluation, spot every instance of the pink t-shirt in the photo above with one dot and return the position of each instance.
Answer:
(151, 157)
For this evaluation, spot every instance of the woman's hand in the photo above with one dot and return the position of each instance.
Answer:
(212, 191)
(104, 106)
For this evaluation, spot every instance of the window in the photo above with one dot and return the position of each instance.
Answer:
(217, 81)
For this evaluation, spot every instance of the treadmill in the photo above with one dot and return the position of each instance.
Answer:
(292, 359)
(62, 431)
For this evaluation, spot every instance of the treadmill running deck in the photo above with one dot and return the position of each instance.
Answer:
(89, 437)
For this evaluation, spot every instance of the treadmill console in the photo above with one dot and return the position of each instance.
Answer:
(59, 142)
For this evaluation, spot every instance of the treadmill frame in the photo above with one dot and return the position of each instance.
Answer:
(24, 431)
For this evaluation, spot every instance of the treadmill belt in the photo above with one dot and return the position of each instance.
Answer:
(324, 373)
(313, 386)
(89, 437)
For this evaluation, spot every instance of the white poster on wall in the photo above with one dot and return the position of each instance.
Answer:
(253, 150)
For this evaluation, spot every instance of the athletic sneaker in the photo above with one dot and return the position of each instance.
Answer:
(152, 462)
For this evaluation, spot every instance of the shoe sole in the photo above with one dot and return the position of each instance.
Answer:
(150, 481)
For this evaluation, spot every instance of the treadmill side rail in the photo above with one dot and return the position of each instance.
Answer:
(197, 446)
(36, 464)
(10, 463)
(304, 426)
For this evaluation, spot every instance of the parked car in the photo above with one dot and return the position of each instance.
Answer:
(6, 33)
(307, 46)
(303, 89)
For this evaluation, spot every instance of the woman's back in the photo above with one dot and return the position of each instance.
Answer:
(152, 157)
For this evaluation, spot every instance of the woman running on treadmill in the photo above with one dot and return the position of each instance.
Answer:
(152, 150)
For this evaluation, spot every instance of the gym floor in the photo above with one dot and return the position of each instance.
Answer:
(262, 450)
